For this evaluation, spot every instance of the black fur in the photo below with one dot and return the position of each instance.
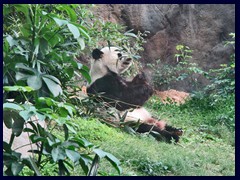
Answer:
(167, 134)
(120, 93)
(96, 54)
(123, 95)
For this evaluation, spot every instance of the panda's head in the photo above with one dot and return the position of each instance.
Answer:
(111, 58)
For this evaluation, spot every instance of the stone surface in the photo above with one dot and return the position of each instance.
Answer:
(202, 27)
(21, 143)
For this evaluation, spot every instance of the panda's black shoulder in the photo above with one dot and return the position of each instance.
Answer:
(110, 82)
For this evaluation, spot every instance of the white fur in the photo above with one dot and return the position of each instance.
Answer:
(139, 114)
(98, 70)
(111, 60)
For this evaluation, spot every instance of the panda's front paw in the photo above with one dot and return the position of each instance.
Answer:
(142, 76)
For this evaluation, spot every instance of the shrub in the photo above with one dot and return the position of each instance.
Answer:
(39, 49)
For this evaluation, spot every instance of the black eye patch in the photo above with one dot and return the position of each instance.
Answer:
(119, 55)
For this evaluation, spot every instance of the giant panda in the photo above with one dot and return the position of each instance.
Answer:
(107, 65)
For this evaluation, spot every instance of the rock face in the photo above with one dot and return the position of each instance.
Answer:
(202, 27)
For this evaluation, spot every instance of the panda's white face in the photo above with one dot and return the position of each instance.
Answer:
(111, 58)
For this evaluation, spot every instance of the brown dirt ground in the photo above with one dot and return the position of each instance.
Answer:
(176, 96)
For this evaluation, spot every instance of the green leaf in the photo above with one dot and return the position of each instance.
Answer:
(73, 155)
(85, 68)
(70, 109)
(11, 41)
(46, 110)
(8, 117)
(22, 66)
(130, 34)
(34, 166)
(71, 13)
(23, 8)
(16, 168)
(86, 75)
(17, 126)
(54, 88)
(60, 22)
(114, 161)
(35, 82)
(179, 47)
(71, 128)
(26, 30)
(52, 78)
(28, 130)
(100, 153)
(123, 116)
(12, 106)
(6, 147)
(52, 38)
(128, 129)
(44, 13)
(63, 112)
(26, 115)
(69, 71)
(40, 116)
(83, 31)
(94, 167)
(84, 164)
(66, 133)
(84, 143)
(81, 43)
(18, 88)
(74, 64)
(58, 154)
(21, 76)
(74, 30)
(62, 169)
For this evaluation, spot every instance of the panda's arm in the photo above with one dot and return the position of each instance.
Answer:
(120, 93)
(135, 95)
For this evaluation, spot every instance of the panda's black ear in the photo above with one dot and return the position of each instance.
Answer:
(97, 54)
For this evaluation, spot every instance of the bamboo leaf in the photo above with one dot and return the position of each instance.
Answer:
(74, 30)
(94, 167)
(35, 82)
(12, 106)
(34, 166)
(60, 22)
(16, 168)
(73, 155)
(53, 87)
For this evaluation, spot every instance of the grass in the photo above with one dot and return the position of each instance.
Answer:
(205, 149)
(142, 155)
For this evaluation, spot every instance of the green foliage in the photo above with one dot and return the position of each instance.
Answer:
(49, 46)
(65, 152)
(165, 74)
(184, 53)
(151, 168)
(220, 93)
(222, 79)
(201, 150)
(40, 44)
(39, 49)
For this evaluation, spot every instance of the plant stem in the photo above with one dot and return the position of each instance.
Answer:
(11, 139)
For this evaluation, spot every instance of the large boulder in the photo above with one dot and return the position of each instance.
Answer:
(202, 27)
